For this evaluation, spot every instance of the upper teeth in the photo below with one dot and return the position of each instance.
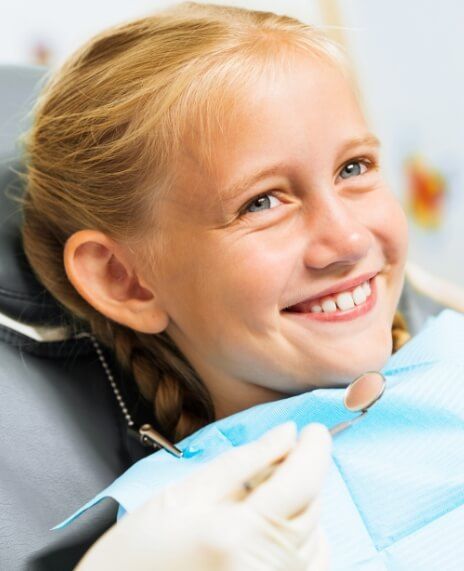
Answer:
(344, 300)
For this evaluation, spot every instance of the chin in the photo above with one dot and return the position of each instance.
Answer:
(372, 357)
(375, 356)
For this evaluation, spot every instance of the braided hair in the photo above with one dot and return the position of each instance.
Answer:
(400, 331)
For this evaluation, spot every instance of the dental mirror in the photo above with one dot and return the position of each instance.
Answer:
(360, 395)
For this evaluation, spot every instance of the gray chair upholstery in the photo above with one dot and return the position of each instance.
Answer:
(20, 85)
(63, 437)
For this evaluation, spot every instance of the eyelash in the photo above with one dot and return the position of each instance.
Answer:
(243, 211)
(369, 163)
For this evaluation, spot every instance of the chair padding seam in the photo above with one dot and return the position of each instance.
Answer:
(22, 296)
(51, 349)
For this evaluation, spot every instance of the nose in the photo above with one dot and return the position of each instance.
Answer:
(336, 235)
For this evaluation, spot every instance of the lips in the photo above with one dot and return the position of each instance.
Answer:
(342, 286)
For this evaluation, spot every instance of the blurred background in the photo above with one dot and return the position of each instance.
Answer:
(407, 57)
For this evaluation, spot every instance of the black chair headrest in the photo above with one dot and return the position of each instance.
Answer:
(22, 297)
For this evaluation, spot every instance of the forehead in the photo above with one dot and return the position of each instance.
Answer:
(300, 113)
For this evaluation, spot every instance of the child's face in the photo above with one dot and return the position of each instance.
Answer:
(327, 216)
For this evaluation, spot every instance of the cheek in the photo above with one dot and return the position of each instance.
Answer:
(387, 221)
(255, 275)
(396, 231)
(220, 292)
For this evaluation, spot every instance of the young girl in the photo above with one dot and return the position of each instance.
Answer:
(204, 192)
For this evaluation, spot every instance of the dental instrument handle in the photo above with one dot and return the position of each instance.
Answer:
(346, 424)
(255, 481)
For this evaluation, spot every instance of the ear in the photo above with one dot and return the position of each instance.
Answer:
(103, 273)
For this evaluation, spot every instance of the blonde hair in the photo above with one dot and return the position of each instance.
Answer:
(106, 130)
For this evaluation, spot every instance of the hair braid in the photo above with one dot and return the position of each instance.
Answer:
(400, 331)
(181, 402)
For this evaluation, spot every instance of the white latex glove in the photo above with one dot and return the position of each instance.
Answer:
(209, 522)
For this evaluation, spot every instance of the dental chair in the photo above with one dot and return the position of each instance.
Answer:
(63, 435)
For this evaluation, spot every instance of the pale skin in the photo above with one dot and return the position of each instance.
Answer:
(229, 268)
(226, 277)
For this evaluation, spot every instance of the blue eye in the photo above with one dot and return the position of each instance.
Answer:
(354, 168)
(262, 200)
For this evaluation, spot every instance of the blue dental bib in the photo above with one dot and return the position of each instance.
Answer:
(394, 496)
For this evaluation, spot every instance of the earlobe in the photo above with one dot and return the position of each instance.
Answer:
(103, 274)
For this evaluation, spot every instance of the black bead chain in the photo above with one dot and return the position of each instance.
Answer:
(148, 436)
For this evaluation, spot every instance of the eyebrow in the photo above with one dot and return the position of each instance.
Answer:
(244, 183)
(368, 140)
(240, 186)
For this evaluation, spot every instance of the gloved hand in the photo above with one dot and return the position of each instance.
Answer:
(209, 521)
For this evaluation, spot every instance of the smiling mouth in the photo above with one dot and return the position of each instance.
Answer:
(347, 304)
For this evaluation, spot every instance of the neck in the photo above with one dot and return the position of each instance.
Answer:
(240, 396)
(231, 394)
